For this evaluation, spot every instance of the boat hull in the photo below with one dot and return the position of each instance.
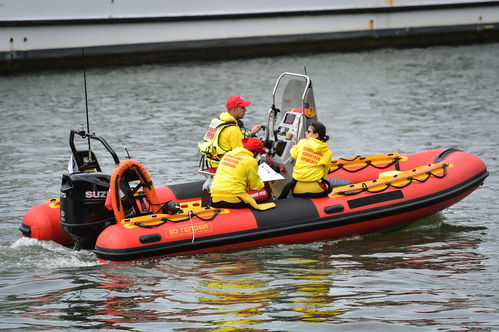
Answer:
(446, 177)
(42, 222)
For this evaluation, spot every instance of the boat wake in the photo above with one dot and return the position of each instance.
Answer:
(434, 221)
(47, 255)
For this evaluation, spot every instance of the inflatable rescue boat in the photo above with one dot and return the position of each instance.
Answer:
(371, 194)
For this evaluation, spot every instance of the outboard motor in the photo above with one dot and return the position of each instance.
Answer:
(83, 214)
(83, 195)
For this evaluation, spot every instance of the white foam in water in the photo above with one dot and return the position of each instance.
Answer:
(51, 255)
(28, 242)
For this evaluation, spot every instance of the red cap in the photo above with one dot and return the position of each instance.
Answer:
(235, 101)
(254, 144)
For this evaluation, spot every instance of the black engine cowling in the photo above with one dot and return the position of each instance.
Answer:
(83, 214)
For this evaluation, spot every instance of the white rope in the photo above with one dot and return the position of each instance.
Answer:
(192, 226)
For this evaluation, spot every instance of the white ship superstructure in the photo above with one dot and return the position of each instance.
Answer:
(52, 33)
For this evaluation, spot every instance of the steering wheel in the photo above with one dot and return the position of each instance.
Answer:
(266, 137)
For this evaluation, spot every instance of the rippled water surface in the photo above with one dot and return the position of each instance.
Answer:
(439, 274)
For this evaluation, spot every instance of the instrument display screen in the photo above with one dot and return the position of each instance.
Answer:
(289, 118)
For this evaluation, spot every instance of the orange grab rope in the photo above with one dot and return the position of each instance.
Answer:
(145, 179)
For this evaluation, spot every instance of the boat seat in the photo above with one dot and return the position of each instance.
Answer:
(335, 182)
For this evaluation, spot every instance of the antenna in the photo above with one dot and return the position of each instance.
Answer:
(86, 103)
(305, 70)
(127, 153)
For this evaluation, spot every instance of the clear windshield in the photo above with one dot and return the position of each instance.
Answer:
(292, 96)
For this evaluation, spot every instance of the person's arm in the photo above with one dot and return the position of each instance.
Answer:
(255, 129)
(294, 150)
(231, 138)
(254, 181)
(327, 165)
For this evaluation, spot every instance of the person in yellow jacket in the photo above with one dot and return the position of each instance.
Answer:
(237, 173)
(226, 132)
(313, 160)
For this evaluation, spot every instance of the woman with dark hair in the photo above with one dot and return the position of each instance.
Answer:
(313, 160)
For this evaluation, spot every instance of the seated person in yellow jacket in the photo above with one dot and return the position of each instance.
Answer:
(237, 174)
(313, 160)
(226, 132)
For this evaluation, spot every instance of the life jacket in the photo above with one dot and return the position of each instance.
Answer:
(210, 148)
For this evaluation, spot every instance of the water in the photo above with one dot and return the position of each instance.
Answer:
(440, 274)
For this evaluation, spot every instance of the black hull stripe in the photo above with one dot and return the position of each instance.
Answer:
(374, 199)
(307, 225)
(25, 230)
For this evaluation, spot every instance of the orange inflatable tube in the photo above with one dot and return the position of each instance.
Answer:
(116, 178)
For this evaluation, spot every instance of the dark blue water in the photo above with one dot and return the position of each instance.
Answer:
(440, 274)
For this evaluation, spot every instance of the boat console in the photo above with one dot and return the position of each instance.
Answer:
(286, 129)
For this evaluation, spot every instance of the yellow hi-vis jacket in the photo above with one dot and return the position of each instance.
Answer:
(224, 134)
(236, 173)
(313, 160)
(231, 137)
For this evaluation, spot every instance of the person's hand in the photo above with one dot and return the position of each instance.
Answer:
(255, 129)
